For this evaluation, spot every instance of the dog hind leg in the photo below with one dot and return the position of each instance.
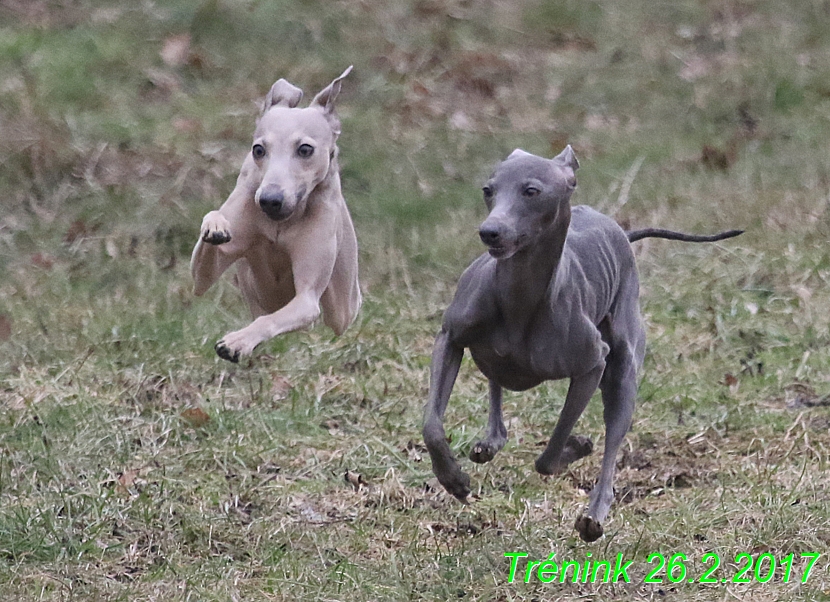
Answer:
(486, 449)
(619, 390)
(246, 282)
(562, 448)
(342, 299)
(266, 289)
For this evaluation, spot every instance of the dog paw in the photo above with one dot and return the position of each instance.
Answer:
(236, 345)
(216, 230)
(216, 238)
(545, 467)
(226, 353)
(588, 528)
(457, 483)
(484, 451)
(576, 447)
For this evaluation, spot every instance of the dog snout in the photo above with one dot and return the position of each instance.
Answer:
(272, 202)
(490, 235)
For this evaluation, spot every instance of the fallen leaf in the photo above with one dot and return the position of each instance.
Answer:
(715, 158)
(280, 387)
(354, 479)
(332, 425)
(325, 384)
(413, 450)
(43, 260)
(125, 480)
(801, 395)
(176, 50)
(804, 293)
(460, 121)
(195, 417)
(162, 81)
(309, 513)
(111, 247)
(5, 327)
(78, 229)
(184, 125)
(732, 382)
(269, 468)
(694, 68)
(171, 263)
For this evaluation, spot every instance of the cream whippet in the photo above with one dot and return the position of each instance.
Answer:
(285, 225)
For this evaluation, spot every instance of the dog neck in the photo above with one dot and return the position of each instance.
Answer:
(331, 181)
(329, 186)
(523, 280)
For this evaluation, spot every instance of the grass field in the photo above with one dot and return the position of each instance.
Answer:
(136, 465)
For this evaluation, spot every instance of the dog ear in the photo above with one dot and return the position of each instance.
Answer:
(283, 94)
(567, 158)
(326, 97)
(518, 153)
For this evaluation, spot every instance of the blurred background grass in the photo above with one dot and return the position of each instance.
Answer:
(122, 123)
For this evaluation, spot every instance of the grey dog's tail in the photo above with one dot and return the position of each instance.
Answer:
(635, 235)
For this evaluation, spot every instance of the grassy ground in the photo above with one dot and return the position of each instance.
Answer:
(136, 465)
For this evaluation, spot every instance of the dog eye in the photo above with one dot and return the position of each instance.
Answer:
(305, 150)
(488, 192)
(530, 191)
(258, 151)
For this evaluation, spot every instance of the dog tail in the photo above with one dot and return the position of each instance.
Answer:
(635, 235)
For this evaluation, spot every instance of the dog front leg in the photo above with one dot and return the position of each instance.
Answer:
(562, 448)
(446, 361)
(209, 261)
(312, 248)
(298, 313)
(486, 449)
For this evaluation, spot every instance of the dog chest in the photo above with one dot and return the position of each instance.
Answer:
(519, 359)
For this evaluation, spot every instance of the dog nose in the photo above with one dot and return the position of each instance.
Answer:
(271, 202)
(489, 235)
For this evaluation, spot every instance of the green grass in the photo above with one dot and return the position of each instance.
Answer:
(136, 465)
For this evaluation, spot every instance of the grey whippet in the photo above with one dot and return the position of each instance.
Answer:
(556, 296)
(286, 225)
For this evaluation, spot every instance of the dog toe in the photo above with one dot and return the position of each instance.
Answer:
(482, 452)
(462, 491)
(216, 237)
(589, 529)
(458, 485)
(580, 446)
(226, 353)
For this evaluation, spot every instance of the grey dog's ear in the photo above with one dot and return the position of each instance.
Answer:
(567, 158)
(518, 153)
(283, 94)
(326, 97)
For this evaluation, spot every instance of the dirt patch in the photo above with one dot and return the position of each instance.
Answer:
(654, 465)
